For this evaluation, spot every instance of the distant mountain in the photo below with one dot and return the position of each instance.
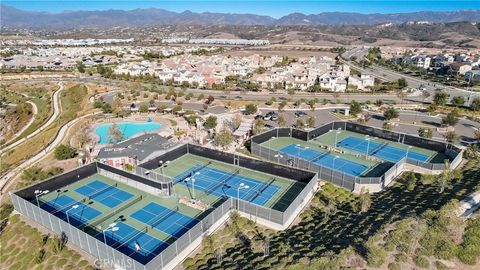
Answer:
(13, 17)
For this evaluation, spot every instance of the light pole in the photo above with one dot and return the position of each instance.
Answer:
(368, 145)
(39, 193)
(336, 137)
(278, 156)
(193, 184)
(241, 186)
(269, 146)
(408, 149)
(334, 161)
(112, 227)
(68, 219)
(162, 164)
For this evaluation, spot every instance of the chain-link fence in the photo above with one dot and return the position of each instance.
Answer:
(342, 179)
(109, 256)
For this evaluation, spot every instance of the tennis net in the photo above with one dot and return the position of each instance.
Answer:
(98, 192)
(222, 181)
(161, 218)
(120, 209)
(134, 235)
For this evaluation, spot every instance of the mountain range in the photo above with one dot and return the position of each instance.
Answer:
(13, 17)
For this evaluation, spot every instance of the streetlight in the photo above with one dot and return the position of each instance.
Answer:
(278, 156)
(161, 163)
(269, 145)
(336, 136)
(112, 227)
(39, 193)
(193, 184)
(367, 138)
(241, 186)
(334, 161)
(406, 154)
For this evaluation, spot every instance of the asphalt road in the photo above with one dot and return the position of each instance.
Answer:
(387, 74)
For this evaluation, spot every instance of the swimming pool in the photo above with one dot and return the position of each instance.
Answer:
(128, 129)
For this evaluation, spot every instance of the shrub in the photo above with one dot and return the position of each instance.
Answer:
(440, 266)
(394, 266)
(445, 250)
(64, 151)
(421, 261)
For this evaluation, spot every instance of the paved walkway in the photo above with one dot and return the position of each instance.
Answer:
(4, 181)
(53, 117)
(30, 122)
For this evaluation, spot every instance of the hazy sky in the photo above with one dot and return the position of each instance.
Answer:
(272, 8)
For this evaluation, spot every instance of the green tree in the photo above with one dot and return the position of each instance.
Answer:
(143, 108)
(211, 122)
(64, 151)
(458, 101)
(451, 119)
(106, 108)
(224, 138)
(115, 134)
(281, 121)
(440, 98)
(425, 132)
(80, 67)
(258, 126)
(250, 109)
(451, 136)
(475, 104)
(300, 124)
(443, 181)
(364, 200)
(236, 121)
(355, 108)
(402, 83)
(311, 122)
(390, 114)
(410, 180)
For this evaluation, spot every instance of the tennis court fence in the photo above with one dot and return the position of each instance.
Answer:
(342, 179)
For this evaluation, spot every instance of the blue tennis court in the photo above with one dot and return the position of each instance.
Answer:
(382, 151)
(221, 183)
(165, 219)
(108, 195)
(77, 216)
(325, 159)
(126, 239)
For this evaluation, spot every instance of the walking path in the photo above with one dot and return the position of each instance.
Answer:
(30, 122)
(4, 181)
(53, 117)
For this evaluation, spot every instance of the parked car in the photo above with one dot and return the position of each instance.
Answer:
(271, 116)
(299, 114)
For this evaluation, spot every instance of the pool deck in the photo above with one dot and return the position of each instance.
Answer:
(164, 126)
